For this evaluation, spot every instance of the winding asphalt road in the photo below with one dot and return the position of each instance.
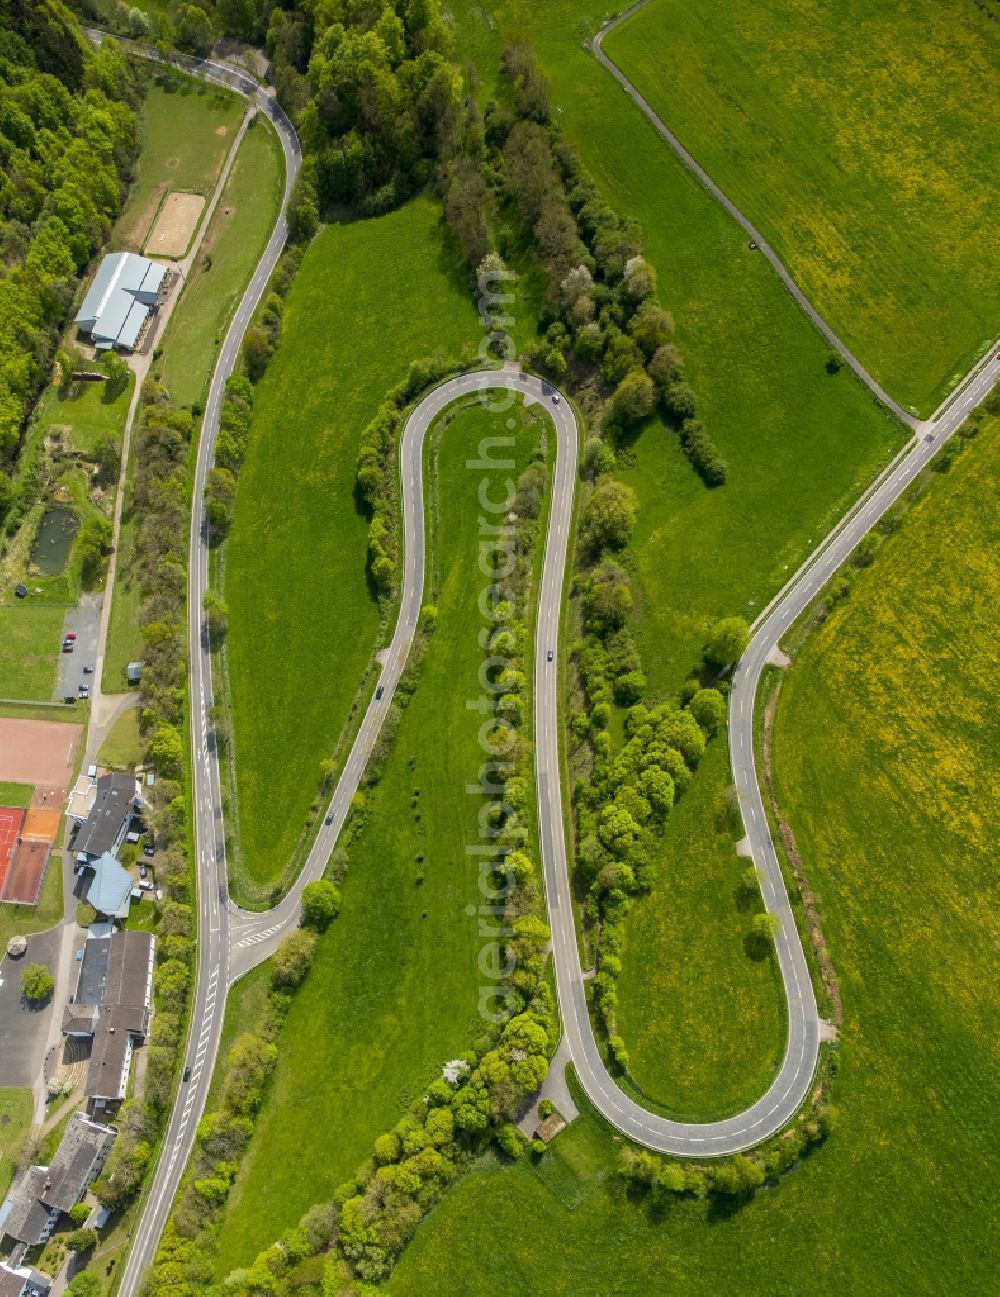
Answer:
(233, 941)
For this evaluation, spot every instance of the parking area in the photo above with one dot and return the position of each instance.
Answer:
(84, 622)
(24, 1030)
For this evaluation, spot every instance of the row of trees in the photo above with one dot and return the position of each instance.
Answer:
(68, 141)
(736, 1177)
(605, 334)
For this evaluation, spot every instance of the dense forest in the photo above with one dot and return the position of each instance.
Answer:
(67, 143)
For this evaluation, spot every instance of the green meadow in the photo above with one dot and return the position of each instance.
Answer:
(860, 138)
(393, 993)
(234, 241)
(801, 443)
(702, 1014)
(304, 624)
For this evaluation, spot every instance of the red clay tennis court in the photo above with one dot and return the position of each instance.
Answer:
(24, 878)
(10, 826)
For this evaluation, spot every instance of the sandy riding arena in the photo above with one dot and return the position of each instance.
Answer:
(175, 225)
(37, 752)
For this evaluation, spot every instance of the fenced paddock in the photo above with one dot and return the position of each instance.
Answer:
(175, 225)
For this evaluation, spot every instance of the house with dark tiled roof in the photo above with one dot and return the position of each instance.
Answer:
(42, 1193)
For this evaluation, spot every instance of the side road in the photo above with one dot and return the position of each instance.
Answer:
(755, 235)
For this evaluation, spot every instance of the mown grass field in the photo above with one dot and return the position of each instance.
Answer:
(234, 241)
(703, 1021)
(16, 1107)
(886, 750)
(393, 993)
(861, 139)
(800, 443)
(30, 635)
(122, 747)
(15, 794)
(186, 134)
(368, 299)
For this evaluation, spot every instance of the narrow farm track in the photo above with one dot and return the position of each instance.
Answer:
(755, 235)
(233, 941)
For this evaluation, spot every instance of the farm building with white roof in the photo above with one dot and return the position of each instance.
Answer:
(118, 302)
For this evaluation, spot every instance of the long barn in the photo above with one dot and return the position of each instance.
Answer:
(118, 302)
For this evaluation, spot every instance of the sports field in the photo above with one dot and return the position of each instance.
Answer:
(185, 137)
(860, 137)
(11, 818)
(303, 623)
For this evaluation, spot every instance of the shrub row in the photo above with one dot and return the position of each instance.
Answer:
(376, 482)
(739, 1176)
(263, 336)
(160, 501)
(600, 319)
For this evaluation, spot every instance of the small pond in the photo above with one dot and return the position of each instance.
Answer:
(56, 533)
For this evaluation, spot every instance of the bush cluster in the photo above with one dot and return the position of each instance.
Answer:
(230, 448)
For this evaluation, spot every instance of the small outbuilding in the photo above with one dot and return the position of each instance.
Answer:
(133, 673)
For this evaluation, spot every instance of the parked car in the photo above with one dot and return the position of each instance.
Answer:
(143, 871)
(148, 850)
(69, 698)
(67, 646)
(88, 671)
(71, 634)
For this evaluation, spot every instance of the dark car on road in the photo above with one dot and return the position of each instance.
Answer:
(379, 692)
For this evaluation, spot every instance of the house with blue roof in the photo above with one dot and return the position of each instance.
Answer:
(110, 888)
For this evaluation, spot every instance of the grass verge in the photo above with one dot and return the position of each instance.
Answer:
(16, 1107)
(122, 748)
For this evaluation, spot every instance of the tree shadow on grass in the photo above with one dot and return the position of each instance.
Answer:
(757, 948)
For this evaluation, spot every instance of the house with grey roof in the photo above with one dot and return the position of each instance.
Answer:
(42, 1193)
(112, 1005)
(124, 291)
(23, 1281)
(104, 829)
